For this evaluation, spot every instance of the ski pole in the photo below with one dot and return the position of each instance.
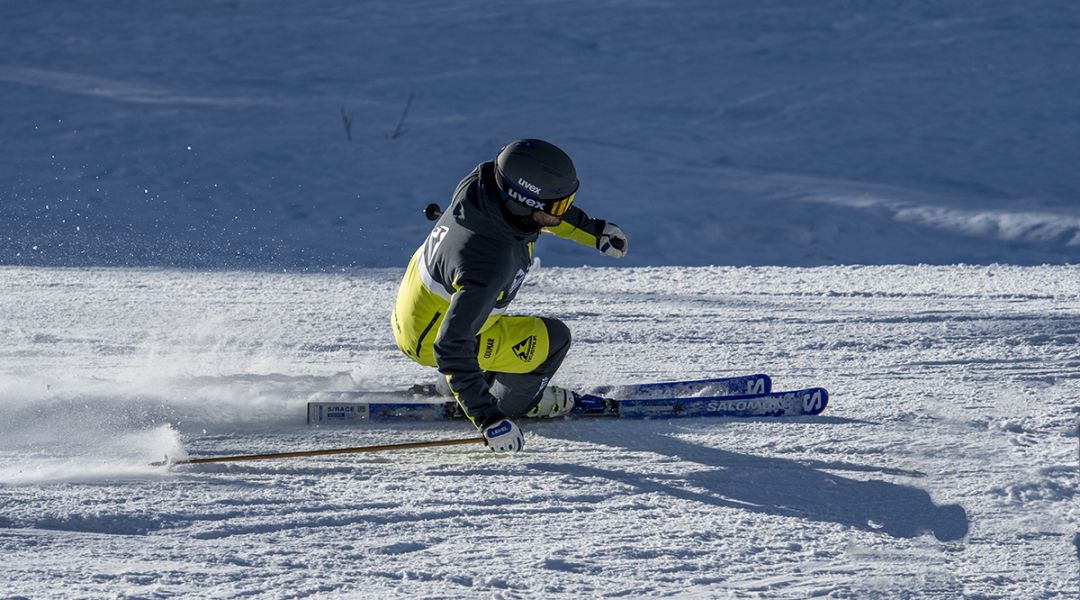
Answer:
(323, 452)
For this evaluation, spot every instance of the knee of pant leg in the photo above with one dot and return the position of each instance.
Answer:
(558, 336)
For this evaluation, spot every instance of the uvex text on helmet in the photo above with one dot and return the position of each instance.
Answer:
(536, 174)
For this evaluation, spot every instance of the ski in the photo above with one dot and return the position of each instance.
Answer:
(742, 385)
(323, 413)
(343, 407)
(810, 401)
(421, 402)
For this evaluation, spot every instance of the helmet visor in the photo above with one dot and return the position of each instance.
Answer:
(559, 207)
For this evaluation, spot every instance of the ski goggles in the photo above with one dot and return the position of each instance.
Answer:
(558, 208)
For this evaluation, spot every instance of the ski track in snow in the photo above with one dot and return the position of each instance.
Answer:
(945, 466)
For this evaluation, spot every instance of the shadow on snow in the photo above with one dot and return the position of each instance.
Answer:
(776, 486)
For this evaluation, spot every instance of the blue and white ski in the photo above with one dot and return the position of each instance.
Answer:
(718, 386)
(726, 397)
(331, 412)
(810, 401)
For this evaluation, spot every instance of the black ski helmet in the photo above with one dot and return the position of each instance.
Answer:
(536, 174)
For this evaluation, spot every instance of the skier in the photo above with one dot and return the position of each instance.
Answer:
(450, 306)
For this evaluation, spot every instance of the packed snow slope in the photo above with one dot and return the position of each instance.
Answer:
(745, 132)
(945, 466)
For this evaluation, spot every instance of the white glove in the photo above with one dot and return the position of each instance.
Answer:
(612, 241)
(502, 435)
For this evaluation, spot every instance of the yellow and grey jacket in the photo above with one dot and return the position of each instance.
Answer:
(463, 278)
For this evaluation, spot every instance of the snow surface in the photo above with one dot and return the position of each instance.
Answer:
(783, 138)
(945, 466)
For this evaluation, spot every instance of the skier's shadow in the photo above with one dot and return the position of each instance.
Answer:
(770, 485)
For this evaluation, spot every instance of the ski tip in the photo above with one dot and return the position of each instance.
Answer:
(167, 462)
(816, 400)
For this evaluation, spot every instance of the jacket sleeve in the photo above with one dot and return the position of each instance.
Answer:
(455, 349)
(577, 226)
